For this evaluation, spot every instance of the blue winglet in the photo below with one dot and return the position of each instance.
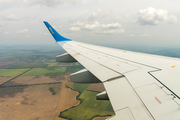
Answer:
(55, 34)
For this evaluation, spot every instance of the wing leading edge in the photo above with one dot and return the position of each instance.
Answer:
(139, 86)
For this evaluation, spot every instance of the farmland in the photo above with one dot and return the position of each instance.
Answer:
(29, 64)
(11, 72)
(34, 80)
(49, 71)
(35, 86)
(28, 102)
(4, 79)
(89, 108)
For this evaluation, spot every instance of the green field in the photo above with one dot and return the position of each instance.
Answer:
(80, 87)
(49, 71)
(11, 72)
(52, 64)
(72, 69)
(31, 64)
(89, 108)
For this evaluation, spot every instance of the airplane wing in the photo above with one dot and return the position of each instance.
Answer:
(139, 86)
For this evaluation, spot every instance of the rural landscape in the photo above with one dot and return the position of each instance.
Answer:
(33, 86)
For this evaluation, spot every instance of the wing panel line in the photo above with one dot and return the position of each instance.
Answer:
(162, 83)
(135, 94)
(120, 58)
(117, 78)
(98, 63)
(140, 98)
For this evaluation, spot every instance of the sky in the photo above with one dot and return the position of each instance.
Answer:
(130, 22)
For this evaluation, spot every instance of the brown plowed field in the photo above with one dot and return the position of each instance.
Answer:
(100, 118)
(4, 79)
(4, 62)
(71, 85)
(67, 99)
(99, 87)
(28, 80)
(28, 102)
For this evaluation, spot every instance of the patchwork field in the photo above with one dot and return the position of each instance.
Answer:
(99, 87)
(80, 87)
(67, 99)
(4, 62)
(30, 80)
(89, 107)
(53, 64)
(4, 79)
(100, 118)
(11, 72)
(29, 64)
(49, 71)
(28, 103)
(35, 87)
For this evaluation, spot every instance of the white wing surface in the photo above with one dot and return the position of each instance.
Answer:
(139, 86)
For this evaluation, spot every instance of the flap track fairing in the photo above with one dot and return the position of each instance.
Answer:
(67, 58)
(102, 96)
(84, 76)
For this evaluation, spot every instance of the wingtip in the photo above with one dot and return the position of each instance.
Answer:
(45, 22)
(55, 34)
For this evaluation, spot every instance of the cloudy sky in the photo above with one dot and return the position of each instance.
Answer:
(134, 22)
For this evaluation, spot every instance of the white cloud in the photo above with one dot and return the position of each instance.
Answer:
(5, 1)
(96, 27)
(74, 29)
(1, 24)
(111, 31)
(131, 35)
(92, 26)
(22, 31)
(172, 19)
(124, 18)
(49, 3)
(79, 23)
(145, 35)
(112, 26)
(152, 16)
(6, 33)
(95, 15)
(134, 21)
(92, 22)
(46, 34)
(12, 17)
